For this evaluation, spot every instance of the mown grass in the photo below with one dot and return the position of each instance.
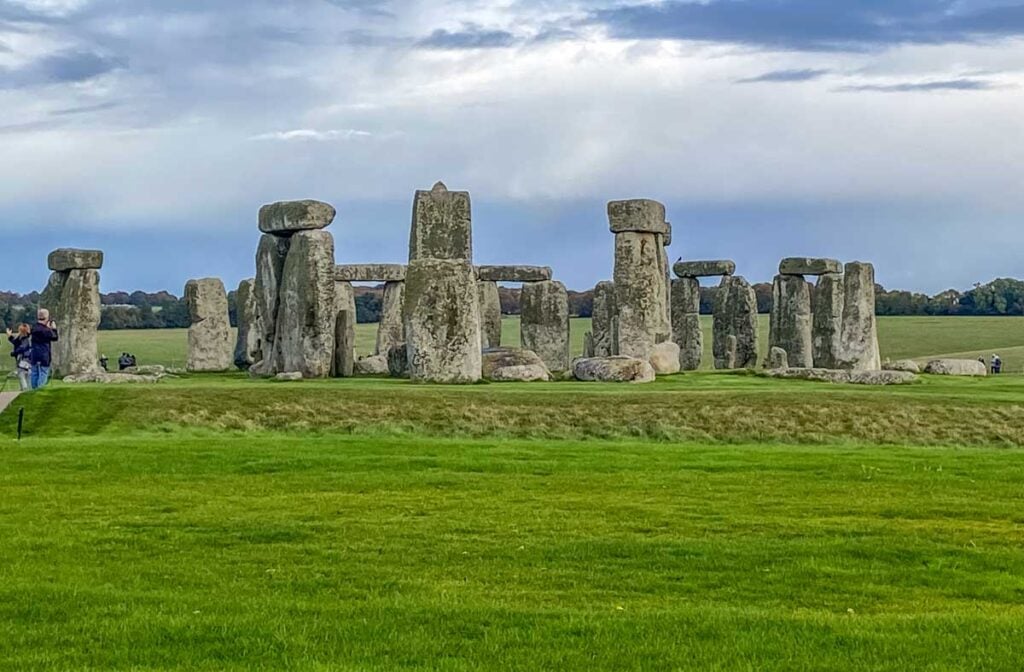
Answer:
(333, 553)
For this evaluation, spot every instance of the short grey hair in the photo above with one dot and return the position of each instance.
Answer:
(42, 315)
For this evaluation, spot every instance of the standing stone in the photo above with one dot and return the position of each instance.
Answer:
(791, 319)
(391, 330)
(490, 314)
(308, 310)
(248, 349)
(398, 361)
(639, 293)
(665, 358)
(344, 344)
(778, 359)
(441, 225)
(588, 344)
(828, 321)
(442, 321)
(270, 257)
(859, 351)
(544, 322)
(344, 297)
(735, 314)
(686, 329)
(602, 319)
(730, 352)
(78, 318)
(209, 336)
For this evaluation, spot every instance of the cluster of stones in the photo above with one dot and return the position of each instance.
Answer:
(72, 296)
(840, 333)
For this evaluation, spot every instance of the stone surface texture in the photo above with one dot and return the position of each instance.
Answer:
(69, 259)
(640, 294)
(845, 377)
(809, 266)
(513, 364)
(735, 314)
(441, 225)
(118, 378)
(956, 367)
(602, 320)
(344, 344)
(637, 215)
(370, 273)
(617, 369)
(288, 217)
(398, 361)
(859, 349)
(544, 322)
(249, 339)
(308, 308)
(391, 330)
(78, 318)
(827, 321)
(490, 314)
(778, 359)
(270, 257)
(791, 320)
(513, 273)
(908, 365)
(665, 358)
(374, 365)
(704, 269)
(209, 338)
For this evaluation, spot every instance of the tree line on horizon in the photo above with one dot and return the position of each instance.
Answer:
(163, 310)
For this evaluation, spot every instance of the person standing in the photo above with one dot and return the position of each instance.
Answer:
(44, 333)
(997, 364)
(22, 351)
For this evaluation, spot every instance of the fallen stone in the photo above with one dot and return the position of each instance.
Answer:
(640, 294)
(209, 336)
(441, 225)
(288, 217)
(704, 269)
(513, 364)
(845, 377)
(809, 266)
(249, 339)
(778, 359)
(791, 320)
(374, 365)
(859, 350)
(637, 215)
(665, 358)
(617, 369)
(602, 322)
(521, 374)
(398, 361)
(956, 367)
(147, 370)
(270, 257)
(544, 322)
(908, 365)
(289, 376)
(513, 273)
(308, 309)
(490, 314)
(390, 330)
(370, 273)
(120, 378)
(78, 318)
(827, 321)
(68, 259)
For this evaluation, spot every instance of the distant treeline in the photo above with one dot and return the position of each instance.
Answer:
(163, 310)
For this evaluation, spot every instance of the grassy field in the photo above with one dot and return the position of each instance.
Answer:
(899, 337)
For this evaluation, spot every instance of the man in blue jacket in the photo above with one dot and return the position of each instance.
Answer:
(44, 332)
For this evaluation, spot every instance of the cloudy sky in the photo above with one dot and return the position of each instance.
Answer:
(885, 130)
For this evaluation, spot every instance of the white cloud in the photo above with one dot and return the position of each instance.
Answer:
(312, 134)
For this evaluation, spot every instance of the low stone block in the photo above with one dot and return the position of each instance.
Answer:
(778, 358)
(67, 259)
(956, 367)
(616, 369)
(289, 376)
(809, 266)
(908, 365)
(369, 272)
(398, 361)
(287, 217)
(513, 273)
(374, 365)
(665, 358)
(638, 215)
(704, 269)
(513, 364)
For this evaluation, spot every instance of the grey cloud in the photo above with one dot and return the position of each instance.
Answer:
(963, 84)
(780, 76)
(84, 109)
(69, 66)
(468, 38)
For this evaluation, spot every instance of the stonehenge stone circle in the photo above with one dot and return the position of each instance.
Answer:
(735, 315)
(248, 343)
(704, 269)
(686, 329)
(859, 339)
(809, 266)
(616, 369)
(791, 319)
(544, 322)
(603, 320)
(344, 344)
(391, 329)
(513, 273)
(288, 217)
(370, 273)
(67, 259)
(640, 276)
(306, 320)
(209, 336)
(827, 321)
(441, 225)
(490, 314)
(513, 365)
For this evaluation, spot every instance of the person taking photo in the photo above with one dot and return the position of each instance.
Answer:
(44, 333)
(21, 343)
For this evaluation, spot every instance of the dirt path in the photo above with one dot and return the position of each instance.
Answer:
(6, 398)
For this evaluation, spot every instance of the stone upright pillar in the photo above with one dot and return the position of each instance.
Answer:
(827, 321)
(603, 320)
(73, 298)
(791, 320)
(490, 314)
(391, 331)
(248, 343)
(544, 308)
(209, 336)
(640, 275)
(686, 330)
(344, 344)
(736, 317)
(270, 255)
(442, 303)
(860, 350)
(306, 318)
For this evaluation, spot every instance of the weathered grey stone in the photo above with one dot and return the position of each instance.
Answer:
(602, 318)
(640, 294)
(442, 321)
(344, 344)
(666, 292)
(908, 365)
(289, 376)
(490, 314)
(637, 215)
(68, 259)
(119, 378)
(270, 257)
(248, 342)
(618, 369)
(544, 322)
(859, 338)
(513, 365)
(827, 321)
(374, 365)
(791, 320)
(845, 377)
(370, 273)
(667, 237)
(704, 269)
(778, 359)
(391, 330)
(308, 311)
(809, 266)
(731, 345)
(398, 361)
(147, 370)
(209, 336)
(665, 358)
(513, 273)
(345, 297)
(588, 344)
(288, 217)
(441, 225)
(77, 317)
(686, 328)
(52, 295)
(956, 367)
(735, 314)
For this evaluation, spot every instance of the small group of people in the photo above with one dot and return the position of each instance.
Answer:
(997, 364)
(32, 350)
